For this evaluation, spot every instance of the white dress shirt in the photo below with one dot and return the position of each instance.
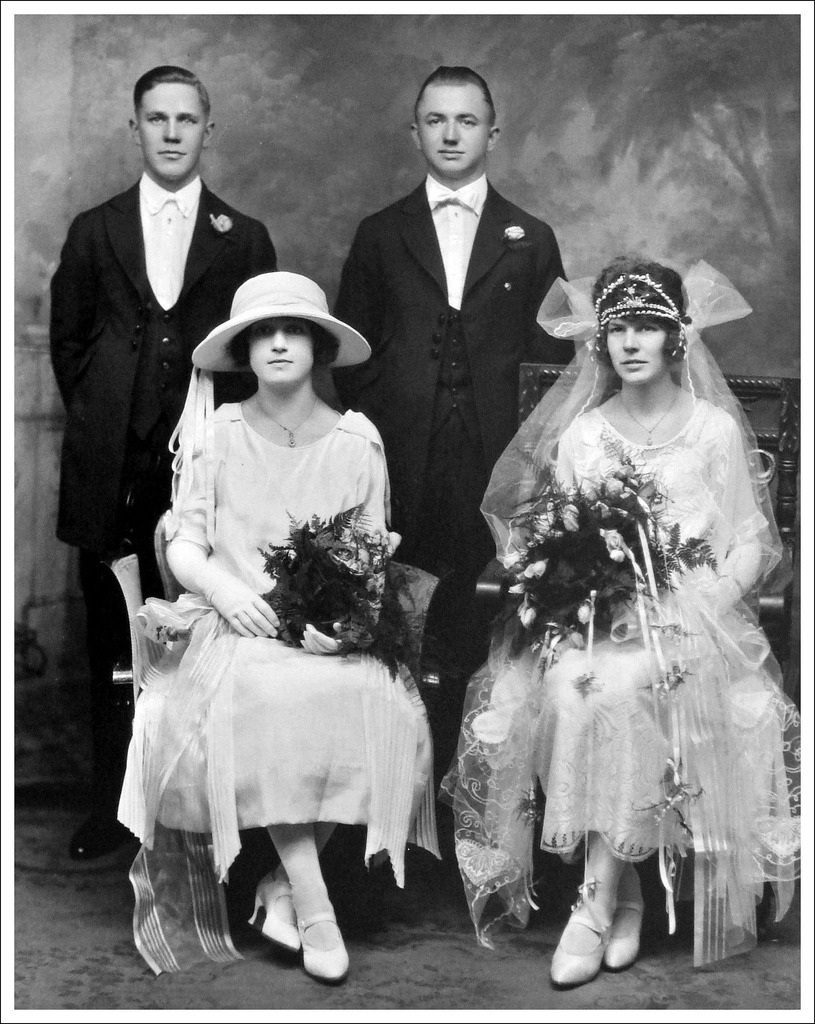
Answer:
(167, 220)
(455, 216)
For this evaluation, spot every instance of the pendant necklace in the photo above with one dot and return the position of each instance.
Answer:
(291, 431)
(650, 430)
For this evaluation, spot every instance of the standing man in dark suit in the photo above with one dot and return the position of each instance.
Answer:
(141, 280)
(445, 284)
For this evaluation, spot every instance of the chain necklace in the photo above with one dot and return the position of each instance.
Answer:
(649, 430)
(291, 431)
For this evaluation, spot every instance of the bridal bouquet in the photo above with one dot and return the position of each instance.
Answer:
(581, 552)
(333, 574)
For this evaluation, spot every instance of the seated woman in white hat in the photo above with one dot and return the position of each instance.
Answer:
(236, 729)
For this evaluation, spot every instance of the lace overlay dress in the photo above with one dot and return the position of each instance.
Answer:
(233, 732)
(597, 737)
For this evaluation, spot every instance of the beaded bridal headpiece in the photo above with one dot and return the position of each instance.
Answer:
(632, 294)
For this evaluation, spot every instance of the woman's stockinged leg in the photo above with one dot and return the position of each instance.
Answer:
(582, 946)
(323, 830)
(274, 892)
(605, 869)
(324, 954)
(298, 847)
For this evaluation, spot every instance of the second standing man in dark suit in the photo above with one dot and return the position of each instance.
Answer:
(141, 280)
(445, 284)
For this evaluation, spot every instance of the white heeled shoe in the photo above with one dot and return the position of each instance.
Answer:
(572, 966)
(327, 965)
(274, 915)
(624, 941)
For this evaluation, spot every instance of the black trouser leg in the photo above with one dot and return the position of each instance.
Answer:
(454, 543)
(145, 496)
(111, 706)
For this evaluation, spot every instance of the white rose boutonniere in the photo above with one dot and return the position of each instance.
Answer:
(514, 234)
(222, 224)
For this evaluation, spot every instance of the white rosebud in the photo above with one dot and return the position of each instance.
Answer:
(222, 224)
(570, 518)
(514, 233)
(617, 555)
(584, 612)
(527, 615)
(536, 569)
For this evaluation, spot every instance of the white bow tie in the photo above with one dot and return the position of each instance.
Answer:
(440, 195)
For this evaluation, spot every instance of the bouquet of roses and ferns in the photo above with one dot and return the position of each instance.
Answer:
(571, 542)
(333, 575)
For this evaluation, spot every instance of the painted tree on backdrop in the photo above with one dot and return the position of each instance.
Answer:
(732, 83)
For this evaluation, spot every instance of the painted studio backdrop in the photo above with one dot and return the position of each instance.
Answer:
(674, 136)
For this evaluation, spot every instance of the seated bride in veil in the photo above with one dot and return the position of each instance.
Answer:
(628, 679)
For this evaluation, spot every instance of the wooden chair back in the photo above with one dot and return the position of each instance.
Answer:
(144, 653)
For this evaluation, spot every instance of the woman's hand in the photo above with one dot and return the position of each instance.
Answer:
(725, 593)
(242, 608)
(722, 593)
(316, 642)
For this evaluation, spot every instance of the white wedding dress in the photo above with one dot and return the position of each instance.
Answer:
(593, 731)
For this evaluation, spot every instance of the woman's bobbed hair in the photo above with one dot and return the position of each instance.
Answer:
(326, 346)
(669, 282)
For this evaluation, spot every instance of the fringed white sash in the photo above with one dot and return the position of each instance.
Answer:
(197, 698)
(392, 743)
(180, 914)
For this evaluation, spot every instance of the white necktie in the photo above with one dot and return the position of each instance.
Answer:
(167, 287)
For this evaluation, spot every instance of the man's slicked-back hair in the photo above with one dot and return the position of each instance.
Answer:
(166, 74)
(456, 75)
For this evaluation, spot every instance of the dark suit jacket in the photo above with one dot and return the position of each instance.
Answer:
(98, 297)
(393, 290)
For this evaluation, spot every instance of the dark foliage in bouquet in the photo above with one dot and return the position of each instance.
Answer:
(335, 575)
(570, 542)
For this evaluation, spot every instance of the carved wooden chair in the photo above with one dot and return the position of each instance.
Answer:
(144, 653)
(772, 405)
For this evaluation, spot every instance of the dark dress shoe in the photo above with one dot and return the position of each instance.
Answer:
(97, 837)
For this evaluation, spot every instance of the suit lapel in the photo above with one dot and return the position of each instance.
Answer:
(488, 245)
(420, 237)
(123, 222)
(206, 241)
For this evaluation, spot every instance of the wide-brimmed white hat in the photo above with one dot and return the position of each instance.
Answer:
(278, 295)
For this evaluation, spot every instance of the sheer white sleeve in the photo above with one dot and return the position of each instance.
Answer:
(749, 543)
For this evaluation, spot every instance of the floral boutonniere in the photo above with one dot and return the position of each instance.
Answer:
(514, 234)
(222, 224)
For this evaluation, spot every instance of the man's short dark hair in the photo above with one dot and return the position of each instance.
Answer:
(169, 73)
(456, 75)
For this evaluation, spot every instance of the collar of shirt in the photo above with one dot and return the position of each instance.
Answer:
(155, 197)
(473, 196)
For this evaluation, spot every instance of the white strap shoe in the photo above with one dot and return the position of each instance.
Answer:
(582, 946)
(274, 915)
(327, 965)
